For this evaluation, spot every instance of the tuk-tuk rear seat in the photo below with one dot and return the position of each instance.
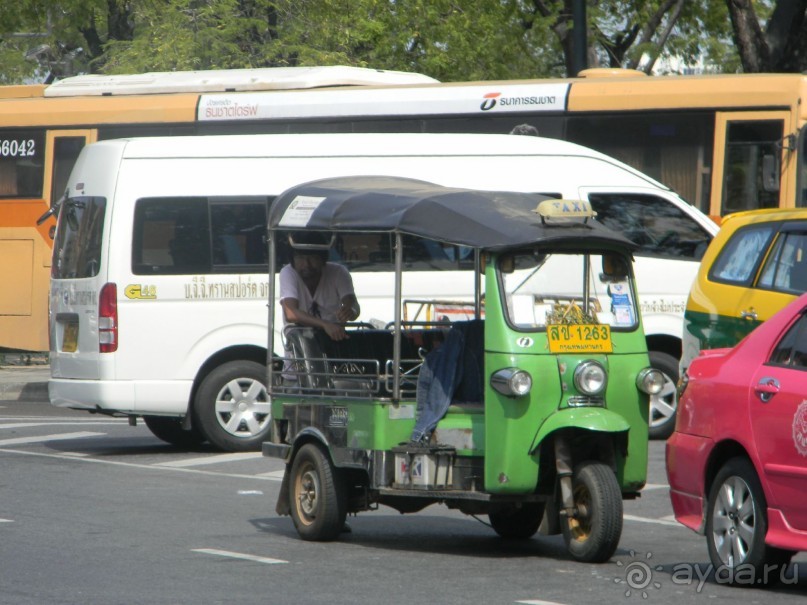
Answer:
(361, 365)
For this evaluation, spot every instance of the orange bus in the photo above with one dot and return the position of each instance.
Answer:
(724, 142)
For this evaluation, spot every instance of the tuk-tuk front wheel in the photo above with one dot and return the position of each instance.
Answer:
(318, 500)
(592, 533)
(517, 521)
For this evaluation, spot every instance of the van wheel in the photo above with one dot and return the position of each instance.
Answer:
(232, 407)
(170, 430)
(664, 406)
(517, 522)
(737, 522)
(317, 498)
(592, 535)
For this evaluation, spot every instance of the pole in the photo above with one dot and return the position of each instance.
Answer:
(579, 41)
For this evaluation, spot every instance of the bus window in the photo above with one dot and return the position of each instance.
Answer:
(748, 145)
(675, 149)
(65, 153)
(22, 164)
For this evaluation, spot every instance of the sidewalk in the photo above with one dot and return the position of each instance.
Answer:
(24, 383)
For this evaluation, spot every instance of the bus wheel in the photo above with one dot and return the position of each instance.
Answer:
(517, 521)
(232, 407)
(317, 496)
(592, 535)
(170, 430)
(664, 406)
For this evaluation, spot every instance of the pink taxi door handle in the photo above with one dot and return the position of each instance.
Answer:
(766, 388)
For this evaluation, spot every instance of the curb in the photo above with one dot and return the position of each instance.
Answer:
(24, 383)
(24, 391)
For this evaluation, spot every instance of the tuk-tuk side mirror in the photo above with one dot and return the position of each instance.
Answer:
(614, 268)
(507, 264)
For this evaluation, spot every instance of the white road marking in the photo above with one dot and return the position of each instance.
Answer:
(649, 520)
(540, 602)
(274, 475)
(655, 486)
(238, 555)
(6, 520)
(153, 467)
(26, 425)
(43, 438)
(188, 462)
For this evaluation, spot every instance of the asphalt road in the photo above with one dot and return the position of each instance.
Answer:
(94, 511)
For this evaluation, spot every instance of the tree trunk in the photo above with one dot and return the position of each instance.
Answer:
(748, 37)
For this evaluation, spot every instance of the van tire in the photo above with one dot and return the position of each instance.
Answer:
(169, 429)
(232, 407)
(664, 406)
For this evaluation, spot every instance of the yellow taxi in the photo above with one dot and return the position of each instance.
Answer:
(755, 266)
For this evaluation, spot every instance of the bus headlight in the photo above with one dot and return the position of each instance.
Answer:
(590, 378)
(511, 382)
(650, 381)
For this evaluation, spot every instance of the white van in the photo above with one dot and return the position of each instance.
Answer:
(159, 282)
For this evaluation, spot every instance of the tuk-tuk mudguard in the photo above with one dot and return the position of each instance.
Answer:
(591, 419)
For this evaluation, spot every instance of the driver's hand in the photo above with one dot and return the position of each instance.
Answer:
(335, 331)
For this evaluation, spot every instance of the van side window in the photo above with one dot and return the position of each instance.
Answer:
(656, 225)
(367, 252)
(786, 266)
(238, 229)
(738, 261)
(175, 236)
(77, 249)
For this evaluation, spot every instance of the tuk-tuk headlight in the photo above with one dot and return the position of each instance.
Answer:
(650, 381)
(590, 378)
(511, 382)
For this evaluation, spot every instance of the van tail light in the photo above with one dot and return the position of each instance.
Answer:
(108, 319)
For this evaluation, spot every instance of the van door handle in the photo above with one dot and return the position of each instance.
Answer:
(749, 314)
(766, 388)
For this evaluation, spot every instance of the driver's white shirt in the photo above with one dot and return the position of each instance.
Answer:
(334, 284)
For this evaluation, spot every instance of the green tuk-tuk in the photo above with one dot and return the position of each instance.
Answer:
(546, 427)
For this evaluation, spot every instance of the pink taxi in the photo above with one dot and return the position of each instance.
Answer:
(737, 461)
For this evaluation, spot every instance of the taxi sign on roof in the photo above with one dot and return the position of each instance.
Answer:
(565, 209)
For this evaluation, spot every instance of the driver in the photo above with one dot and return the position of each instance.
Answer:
(315, 292)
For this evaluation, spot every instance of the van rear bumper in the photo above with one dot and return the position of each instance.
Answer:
(112, 395)
(168, 397)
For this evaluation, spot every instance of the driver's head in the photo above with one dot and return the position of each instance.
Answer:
(309, 253)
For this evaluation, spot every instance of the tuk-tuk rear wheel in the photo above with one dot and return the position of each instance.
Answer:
(592, 534)
(517, 521)
(317, 495)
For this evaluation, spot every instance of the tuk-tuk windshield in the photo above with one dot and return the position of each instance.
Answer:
(541, 289)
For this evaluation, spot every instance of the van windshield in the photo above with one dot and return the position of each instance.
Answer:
(542, 289)
(77, 249)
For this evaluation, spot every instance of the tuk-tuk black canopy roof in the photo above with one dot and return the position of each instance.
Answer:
(491, 220)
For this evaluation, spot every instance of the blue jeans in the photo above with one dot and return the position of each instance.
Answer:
(439, 378)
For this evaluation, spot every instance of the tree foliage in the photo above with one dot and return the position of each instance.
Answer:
(447, 39)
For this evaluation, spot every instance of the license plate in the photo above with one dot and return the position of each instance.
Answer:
(70, 337)
(582, 338)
